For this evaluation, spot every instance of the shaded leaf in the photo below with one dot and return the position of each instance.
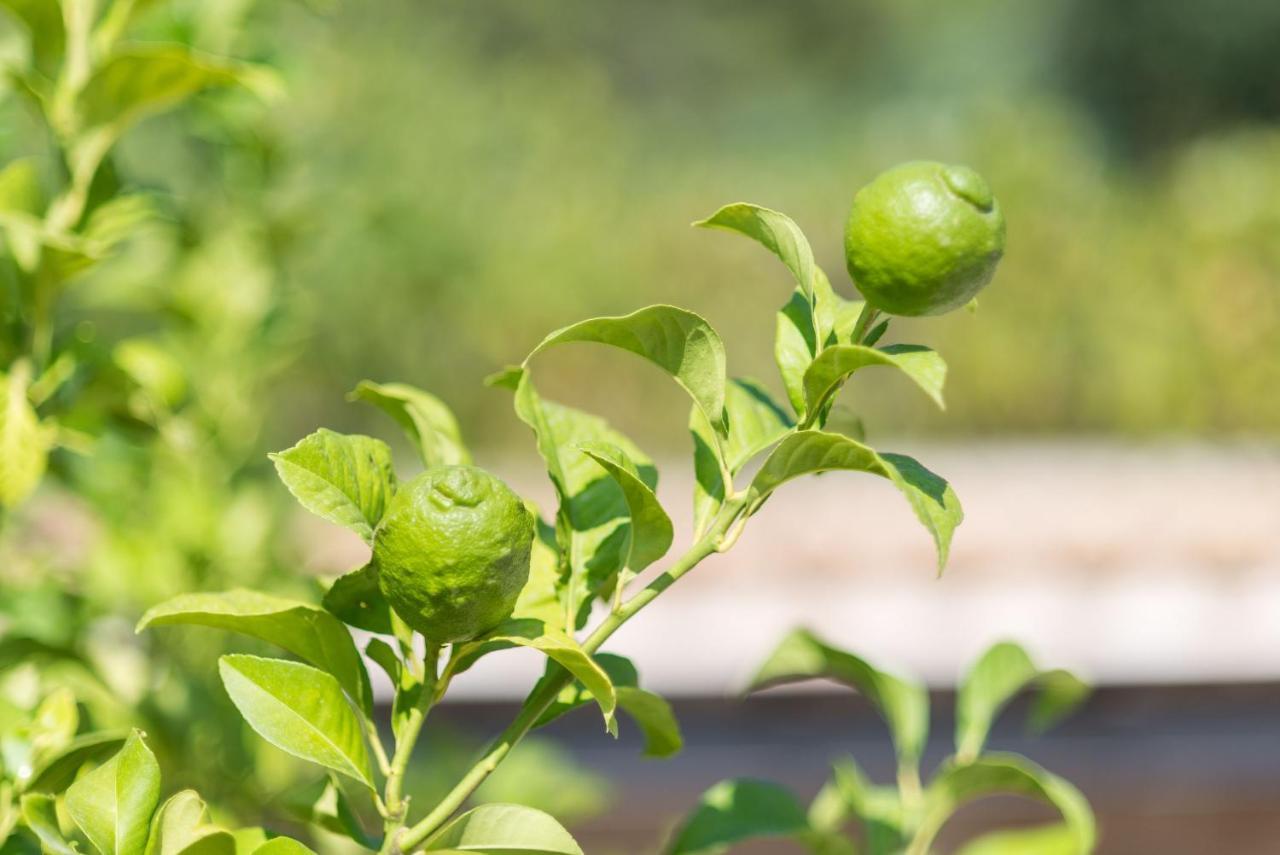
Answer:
(904, 705)
(40, 813)
(113, 804)
(427, 420)
(356, 599)
(504, 829)
(676, 340)
(737, 810)
(834, 365)
(59, 769)
(346, 479)
(302, 629)
(299, 710)
(326, 806)
(655, 718)
(812, 451)
(850, 795)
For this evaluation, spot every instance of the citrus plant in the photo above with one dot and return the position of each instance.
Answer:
(904, 819)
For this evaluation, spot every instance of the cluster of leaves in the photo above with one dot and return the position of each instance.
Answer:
(907, 817)
(608, 529)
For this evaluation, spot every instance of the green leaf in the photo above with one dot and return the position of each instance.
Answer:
(737, 810)
(812, 451)
(676, 340)
(357, 600)
(48, 38)
(828, 372)
(651, 532)
(1000, 673)
(57, 771)
(326, 806)
(141, 80)
(775, 231)
(427, 420)
(182, 827)
(346, 479)
(305, 631)
(40, 813)
(248, 840)
(299, 710)
(592, 520)
(566, 651)
(1060, 693)
(539, 598)
(282, 846)
(849, 794)
(903, 704)
(1055, 839)
(53, 725)
(113, 804)
(655, 718)
(1006, 774)
(754, 422)
(503, 829)
(24, 441)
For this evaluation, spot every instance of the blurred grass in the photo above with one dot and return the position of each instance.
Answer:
(465, 177)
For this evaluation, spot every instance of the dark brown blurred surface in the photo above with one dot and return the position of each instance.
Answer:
(1168, 769)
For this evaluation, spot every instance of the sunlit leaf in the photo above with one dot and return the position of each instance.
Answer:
(834, 365)
(24, 440)
(300, 628)
(346, 479)
(58, 770)
(738, 810)
(774, 230)
(904, 705)
(1007, 774)
(1054, 839)
(40, 813)
(503, 829)
(282, 846)
(676, 340)
(811, 451)
(113, 804)
(298, 709)
(651, 532)
(427, 420)
(182, 827)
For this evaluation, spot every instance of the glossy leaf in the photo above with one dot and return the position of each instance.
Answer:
(566, 651)
(754, 421)
(1042, 840)
(299, 710)
(56, 772)
(40, 813)
(24, 441)
(738, 810)
(182, 827)
(113, 804)
(302, 629)
(834, 365)
(811, 451)
(775, 231)
(427, 420)
(1000, 673)
(651, 533)
(1007, 774)
(356, 599)
(903, 704)
(503, 829)
(676, 340)
(346, 479)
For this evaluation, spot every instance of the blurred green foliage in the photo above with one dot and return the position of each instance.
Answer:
(474, 174)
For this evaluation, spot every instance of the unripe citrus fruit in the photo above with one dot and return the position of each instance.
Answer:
(452, 552)
(923, 238)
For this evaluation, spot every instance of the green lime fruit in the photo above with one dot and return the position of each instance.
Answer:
(923, 238)
(452, 552)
